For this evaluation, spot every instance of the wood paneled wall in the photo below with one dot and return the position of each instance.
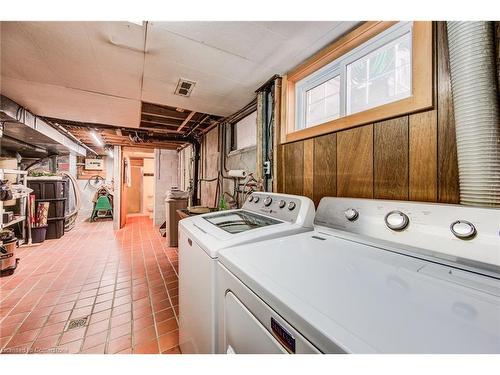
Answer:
(412, 157)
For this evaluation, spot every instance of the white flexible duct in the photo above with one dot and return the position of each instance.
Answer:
(71, 217)
(475, 102)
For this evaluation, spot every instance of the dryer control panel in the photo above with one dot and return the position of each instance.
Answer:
(451, 232)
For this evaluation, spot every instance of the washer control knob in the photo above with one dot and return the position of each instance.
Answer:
(250, 198)
(291, 206)
(256, 199)
(281, 204)
(396, 220)
(463, 229)
(268, 201)
(351, 214)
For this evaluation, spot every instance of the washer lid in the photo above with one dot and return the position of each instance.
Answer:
(239, 221)
(211, 238)
(366, 299)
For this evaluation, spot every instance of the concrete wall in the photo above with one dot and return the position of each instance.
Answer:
(209, 167)
(241, 159)
(166, 175)
(117, 177)
(244, 158)
(148, 186)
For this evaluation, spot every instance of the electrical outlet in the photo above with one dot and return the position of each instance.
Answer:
(267, 167)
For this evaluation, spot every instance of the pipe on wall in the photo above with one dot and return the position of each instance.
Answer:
(475, 102)
(196, 156)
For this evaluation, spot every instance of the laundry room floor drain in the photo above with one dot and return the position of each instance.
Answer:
(77, 323)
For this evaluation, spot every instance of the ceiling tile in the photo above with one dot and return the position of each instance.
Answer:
(45, 63)
(71, 104)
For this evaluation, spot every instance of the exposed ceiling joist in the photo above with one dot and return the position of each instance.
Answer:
(168, 123)
(184, 123)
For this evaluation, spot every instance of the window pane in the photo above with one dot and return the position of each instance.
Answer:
(380, 77)
(323, 102)
(246, 131)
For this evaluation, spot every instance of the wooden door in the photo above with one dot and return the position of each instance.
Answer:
(134, 192)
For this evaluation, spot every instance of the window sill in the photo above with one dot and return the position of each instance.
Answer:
(394, 109)
(242, 151)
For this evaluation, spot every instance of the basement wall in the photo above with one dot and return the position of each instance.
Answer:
(87, 192)
(209, 168)
(244, 158)
(166, 175)
(412, 157)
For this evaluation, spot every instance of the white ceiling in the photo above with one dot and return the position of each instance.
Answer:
(98, 72)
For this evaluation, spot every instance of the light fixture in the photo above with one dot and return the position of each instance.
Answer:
(110, 153)
(96, 138)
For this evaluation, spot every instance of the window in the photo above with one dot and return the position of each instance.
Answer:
(381, 77)
(378, 71)
(244, 133)
(323, 102)
(375, 73)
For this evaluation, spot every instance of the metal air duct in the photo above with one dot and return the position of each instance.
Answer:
(475, 102)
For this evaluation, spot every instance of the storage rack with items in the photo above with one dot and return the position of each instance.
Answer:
(23, 214)
(55, 191)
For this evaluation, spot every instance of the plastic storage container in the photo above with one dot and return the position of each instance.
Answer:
(56, 192)
(38, 234)
(57, 207)
(55, 228)
(49, 189)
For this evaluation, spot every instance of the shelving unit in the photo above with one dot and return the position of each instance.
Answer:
(23, 206)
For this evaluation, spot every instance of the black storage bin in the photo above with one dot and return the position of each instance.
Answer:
(38, 234)
(49, 189)
(57, 207)
(56, 192)
(55, 228)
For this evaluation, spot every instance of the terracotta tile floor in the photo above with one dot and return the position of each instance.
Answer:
(124, 282)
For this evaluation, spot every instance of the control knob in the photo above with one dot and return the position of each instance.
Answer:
(250, 198)
(291, 206)
(396, 220)
(463, 229)
(281, 204)
(256, 199)
(351, 214)
(268, 201)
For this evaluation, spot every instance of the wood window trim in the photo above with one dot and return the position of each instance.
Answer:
(422, 82)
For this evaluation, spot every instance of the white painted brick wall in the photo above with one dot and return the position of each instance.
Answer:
(166, 175)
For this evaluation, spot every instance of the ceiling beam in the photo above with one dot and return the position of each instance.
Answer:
(145, 125)
(165, 124)
(161, 110)
(148, 113)
(184, 123)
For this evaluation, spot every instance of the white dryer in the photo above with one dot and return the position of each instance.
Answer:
(263, 216)
(373, 277)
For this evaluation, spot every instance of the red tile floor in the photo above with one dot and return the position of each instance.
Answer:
(124, 281)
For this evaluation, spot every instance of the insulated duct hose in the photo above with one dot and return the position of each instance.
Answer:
(71, 217)
(475, 102)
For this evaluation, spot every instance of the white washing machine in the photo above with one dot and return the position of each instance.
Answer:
(263, 216)
(373, 277)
